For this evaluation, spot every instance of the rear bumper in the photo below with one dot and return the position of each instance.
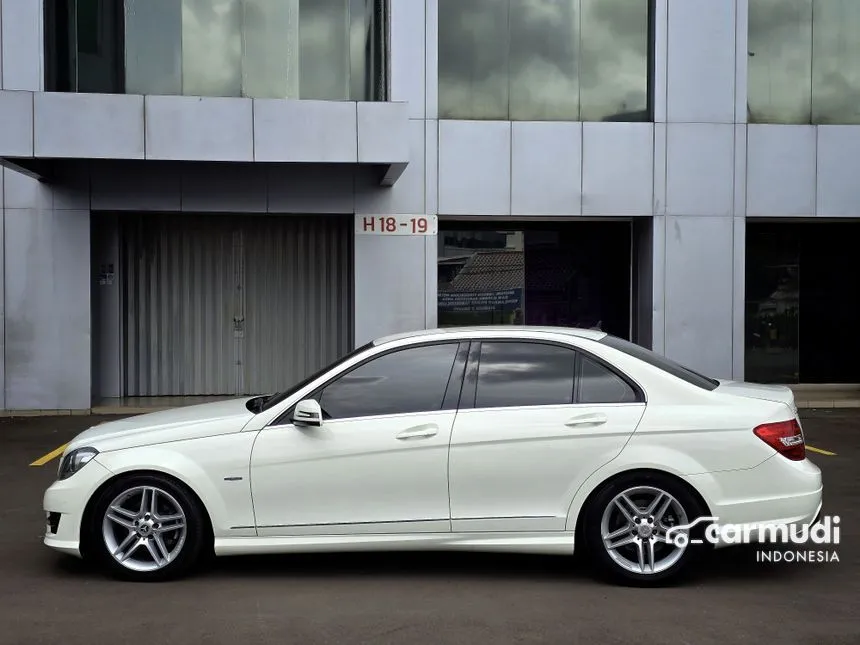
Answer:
(776, 492)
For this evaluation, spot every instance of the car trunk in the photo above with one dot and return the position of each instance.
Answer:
(776, 393)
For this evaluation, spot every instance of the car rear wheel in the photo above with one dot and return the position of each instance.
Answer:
(627, 529)
(147, 528)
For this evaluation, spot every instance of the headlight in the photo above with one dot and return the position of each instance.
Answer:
(74, 461)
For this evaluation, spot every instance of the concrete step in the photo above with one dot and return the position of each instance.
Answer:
(827, 395)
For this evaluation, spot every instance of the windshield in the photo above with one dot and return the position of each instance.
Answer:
(275, 399)
(661, 362)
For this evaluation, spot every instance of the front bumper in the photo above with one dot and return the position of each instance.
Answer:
(64, 503)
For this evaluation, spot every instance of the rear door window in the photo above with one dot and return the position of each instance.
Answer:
(514, 374)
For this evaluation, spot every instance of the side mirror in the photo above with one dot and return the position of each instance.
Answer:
(307, 413)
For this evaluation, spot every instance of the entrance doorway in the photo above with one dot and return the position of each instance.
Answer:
(802, 311)
(572, 274)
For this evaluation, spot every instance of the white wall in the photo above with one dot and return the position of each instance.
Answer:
(46, 274)
(395, 278)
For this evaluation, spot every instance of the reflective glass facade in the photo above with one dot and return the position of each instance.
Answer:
(552, 60)
(308, 49)
(804, 61)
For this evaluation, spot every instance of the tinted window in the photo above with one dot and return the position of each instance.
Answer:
(275, 399)
(597, 384)
(409, 380)
(515, 374)
(661, 362)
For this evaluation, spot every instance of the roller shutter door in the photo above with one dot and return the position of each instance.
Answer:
(232, 305)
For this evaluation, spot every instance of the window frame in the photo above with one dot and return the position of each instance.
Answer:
(450, 398)
(468, 397)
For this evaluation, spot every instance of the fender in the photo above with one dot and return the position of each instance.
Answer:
(218, 474)
(641, 457)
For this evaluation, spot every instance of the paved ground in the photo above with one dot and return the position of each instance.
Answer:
(45, 598)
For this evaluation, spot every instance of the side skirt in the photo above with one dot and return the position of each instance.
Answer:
(550, 543)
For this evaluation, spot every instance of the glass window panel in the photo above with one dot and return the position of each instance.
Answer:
(780, 61)
(270, 37)
(473, 59)
(89, 26)
(99, 64)
(377, 62)
(324, 47)
(480, 278)
(311, 49)
(614, 64)
(367, 43)
(597, 384)
(211, 47)
(544, 60)
(406, 381)
(836, 61)
(772, 303)
(660, 362)
(153, 47)
(360, 40)
(524, 374)
(60, 63)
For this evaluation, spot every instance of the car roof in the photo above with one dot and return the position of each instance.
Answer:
(511, 331)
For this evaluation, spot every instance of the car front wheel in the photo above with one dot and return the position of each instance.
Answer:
(627, 529)
(147, 528)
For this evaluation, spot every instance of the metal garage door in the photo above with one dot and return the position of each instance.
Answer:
(224, 305)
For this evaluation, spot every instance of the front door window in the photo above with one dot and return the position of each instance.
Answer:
(402, 382)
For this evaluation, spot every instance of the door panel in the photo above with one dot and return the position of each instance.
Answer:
(369, 475)
(545, 416)
(379, 462)
(517, 469)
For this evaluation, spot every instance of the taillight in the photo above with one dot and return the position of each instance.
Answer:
(785, 437)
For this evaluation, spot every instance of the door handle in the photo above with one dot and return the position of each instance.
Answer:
(419, 432)
(587, 420)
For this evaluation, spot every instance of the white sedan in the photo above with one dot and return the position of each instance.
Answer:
(517, 439)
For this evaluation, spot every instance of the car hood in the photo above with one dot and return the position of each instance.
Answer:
(177, 424)
(776, 393)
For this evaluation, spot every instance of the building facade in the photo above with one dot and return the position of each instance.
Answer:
(218, 197)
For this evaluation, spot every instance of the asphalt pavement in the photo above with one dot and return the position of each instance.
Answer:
(421, 598)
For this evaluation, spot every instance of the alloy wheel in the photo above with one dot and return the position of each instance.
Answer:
(144, 528)
(634, 529)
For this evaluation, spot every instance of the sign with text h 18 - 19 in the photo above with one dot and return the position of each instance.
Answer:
(396, 224)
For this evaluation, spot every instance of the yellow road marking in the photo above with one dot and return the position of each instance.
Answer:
(44, 459)
(821, 452)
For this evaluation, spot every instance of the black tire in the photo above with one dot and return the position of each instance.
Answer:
(598, 555)
(197, 540)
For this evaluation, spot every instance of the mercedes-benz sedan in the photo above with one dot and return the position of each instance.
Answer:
(517, 439)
